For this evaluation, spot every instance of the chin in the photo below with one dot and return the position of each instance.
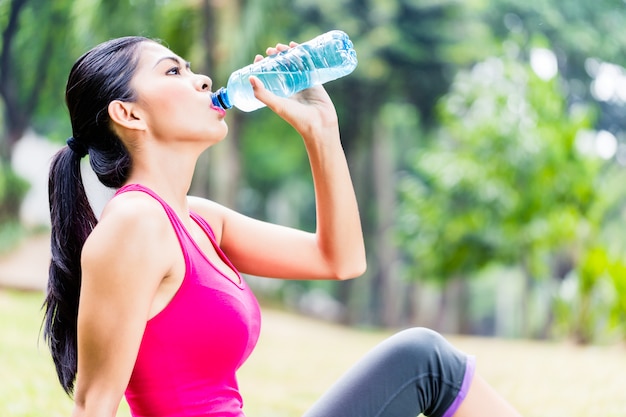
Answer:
(217, 136)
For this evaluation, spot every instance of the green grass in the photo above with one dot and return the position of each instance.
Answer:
(298, 358)
(28, 384)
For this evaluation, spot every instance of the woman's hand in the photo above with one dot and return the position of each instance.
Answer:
(308, 111)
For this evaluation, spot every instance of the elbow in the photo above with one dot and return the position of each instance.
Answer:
(343, 265)
(353, 270)
(101, 406)
(356, 266)
(351, 274)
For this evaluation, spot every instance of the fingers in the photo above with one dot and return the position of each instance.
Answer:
(278, 48)
(261, 93)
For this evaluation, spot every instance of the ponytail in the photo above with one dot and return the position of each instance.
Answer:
(72, 220)
(98, 77)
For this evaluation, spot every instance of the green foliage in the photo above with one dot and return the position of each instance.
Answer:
(590, 305)
(501, 180)
(408, 49)
(577, 28)
(12, 191)
(178, 25)
(487, 153)
(32, 89)
(275, 151)
(276, 167)
(505, 180)
(617, 273)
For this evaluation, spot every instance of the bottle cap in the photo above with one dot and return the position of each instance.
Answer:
(220, 99)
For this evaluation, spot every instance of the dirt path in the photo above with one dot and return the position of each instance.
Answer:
(26, 267)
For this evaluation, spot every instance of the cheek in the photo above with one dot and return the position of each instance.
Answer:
(163, 97)
(168, 108)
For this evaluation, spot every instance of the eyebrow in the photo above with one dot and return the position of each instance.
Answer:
(174, 59)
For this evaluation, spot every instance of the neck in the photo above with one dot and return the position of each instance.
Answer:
(166, 171)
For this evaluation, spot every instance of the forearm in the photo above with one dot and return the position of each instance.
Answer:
(339, 238)
(339, 233)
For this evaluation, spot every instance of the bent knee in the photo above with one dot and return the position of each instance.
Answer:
(428, 350)
(421, 340)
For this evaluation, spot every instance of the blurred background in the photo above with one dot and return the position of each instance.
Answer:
(487, 144)
(486, 140)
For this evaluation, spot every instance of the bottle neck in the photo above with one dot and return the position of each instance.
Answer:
(220, 99)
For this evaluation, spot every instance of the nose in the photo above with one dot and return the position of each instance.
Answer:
(204, 83)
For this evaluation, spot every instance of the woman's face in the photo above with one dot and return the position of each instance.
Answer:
(175, 102)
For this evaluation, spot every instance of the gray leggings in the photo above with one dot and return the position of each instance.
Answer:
(415, 371)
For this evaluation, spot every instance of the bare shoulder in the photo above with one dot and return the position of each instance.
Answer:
(203, 205)
(132, 226)
(124, 263)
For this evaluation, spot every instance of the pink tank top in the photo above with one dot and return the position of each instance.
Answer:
(191, 350)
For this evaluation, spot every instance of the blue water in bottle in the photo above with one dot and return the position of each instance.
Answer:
(322, 59)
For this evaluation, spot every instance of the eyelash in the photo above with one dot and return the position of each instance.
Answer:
(177, 70)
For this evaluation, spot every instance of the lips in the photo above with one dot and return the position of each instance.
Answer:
(220, 110)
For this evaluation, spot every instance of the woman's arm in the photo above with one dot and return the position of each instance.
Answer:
(336, 249)
(123, 264)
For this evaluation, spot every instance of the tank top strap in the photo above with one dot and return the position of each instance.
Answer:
(203, 224)
(177, 224)
(206, 227)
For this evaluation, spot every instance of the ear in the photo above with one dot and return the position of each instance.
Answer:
(125, 114)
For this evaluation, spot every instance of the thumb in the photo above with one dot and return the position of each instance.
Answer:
(263, 94)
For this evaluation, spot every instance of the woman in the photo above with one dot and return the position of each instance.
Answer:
(165, 316)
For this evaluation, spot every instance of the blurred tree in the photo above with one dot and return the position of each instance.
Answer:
(617, 272)
(503, 180)
(580, 34)
(31, 43)
(219, 173)
(408, 52)
(586, 40)
(30, 40)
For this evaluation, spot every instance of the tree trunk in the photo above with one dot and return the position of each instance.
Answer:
(391, 288)
(218, 170)
(454, 314)
(15, 120)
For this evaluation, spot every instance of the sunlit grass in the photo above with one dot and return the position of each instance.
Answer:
(28, 385)
(297, 359)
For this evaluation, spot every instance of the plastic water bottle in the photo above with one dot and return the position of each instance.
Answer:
(322, 59)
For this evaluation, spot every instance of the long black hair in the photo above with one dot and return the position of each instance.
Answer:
(98, 77)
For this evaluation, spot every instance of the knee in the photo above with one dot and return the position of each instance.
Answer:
(428, 349)
(424, 335)
(420, 341)
(435, 366)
